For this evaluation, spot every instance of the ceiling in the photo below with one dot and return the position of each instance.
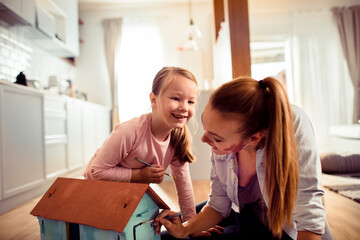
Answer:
(263, 14)
(254, 5)
(134, 1)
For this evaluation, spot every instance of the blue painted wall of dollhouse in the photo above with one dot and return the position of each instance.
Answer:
(52, 229)
(146, 210)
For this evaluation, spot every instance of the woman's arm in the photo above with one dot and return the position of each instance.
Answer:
(306, 235)
(204, 220)
(309, 212)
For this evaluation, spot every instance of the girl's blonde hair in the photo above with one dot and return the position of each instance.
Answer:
(180, 137)
(264, 106)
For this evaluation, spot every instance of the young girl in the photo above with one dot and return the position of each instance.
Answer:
(159, 138)
(265, 176)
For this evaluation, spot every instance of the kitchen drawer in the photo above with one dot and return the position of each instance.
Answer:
(55, 126)
(56, 104)
(55, 115)
(56, 157)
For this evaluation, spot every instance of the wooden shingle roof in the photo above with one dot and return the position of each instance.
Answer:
(105, 205)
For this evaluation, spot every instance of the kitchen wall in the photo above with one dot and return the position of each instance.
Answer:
(92, 69)
(272, 20)
(18, 53)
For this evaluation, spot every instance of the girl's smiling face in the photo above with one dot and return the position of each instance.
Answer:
(176, 104)
(221, 133)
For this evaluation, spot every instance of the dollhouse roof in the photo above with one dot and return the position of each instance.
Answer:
(105, 205)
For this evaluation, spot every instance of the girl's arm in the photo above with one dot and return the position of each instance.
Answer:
(184, 188)
(105, 164)
(204, 220)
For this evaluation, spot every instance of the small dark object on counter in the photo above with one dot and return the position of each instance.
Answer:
(21, 79)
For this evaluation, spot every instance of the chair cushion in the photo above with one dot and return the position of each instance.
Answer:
(335, 163)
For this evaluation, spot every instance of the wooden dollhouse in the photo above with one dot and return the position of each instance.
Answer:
(77, 209)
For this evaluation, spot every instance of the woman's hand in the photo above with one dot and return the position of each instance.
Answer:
(216, 229)
(207, 218)
(173, 225)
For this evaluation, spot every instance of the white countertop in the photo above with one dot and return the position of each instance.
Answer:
(45, 93)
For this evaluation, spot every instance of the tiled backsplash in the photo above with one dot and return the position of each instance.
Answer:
(17, 54)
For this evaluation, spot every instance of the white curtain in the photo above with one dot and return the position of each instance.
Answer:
(222, 62)
(112, 30)
(320, 81)
(348, 24)
(141, 56)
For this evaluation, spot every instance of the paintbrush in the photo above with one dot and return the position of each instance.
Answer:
(167, 217)
(149, 165)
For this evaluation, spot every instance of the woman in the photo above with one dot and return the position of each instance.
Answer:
(264, 163)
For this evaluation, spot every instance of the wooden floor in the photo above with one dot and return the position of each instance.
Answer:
(343, 215)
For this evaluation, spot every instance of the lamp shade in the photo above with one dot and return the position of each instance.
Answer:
(191, 45)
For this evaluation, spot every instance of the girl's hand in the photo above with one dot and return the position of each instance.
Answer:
(153, 174)
(173, 225)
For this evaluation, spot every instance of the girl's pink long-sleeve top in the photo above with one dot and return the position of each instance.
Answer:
(133, 139)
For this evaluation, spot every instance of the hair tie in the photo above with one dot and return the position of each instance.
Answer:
(262, 85)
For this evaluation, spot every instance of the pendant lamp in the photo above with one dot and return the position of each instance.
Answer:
(191, 31)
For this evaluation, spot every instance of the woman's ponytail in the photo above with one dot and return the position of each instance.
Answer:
(281, 174)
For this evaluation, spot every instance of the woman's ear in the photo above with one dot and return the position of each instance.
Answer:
(255, 138)
(152, 99)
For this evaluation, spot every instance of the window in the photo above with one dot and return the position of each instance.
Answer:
(140, 58)
(268, 60)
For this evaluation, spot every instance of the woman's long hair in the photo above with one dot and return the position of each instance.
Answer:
(180, 137)
(264, 106)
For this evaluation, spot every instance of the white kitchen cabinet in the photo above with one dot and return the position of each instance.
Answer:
(24, 9)
(28, 10)
(53, 25)
(22, 149)
(89, 135)
(70, 34)
(55, 136)
(65, 13)
(96, 128)
(45, 22)
(103, 123)
(44, 136)
(13, 5)
(74, 130)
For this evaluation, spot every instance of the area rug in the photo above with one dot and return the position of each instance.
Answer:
(347, 185)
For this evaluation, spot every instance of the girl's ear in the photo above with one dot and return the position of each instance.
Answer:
(255, 138)
(152, 99)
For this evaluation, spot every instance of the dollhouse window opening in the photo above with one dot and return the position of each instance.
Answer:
(74, 231)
